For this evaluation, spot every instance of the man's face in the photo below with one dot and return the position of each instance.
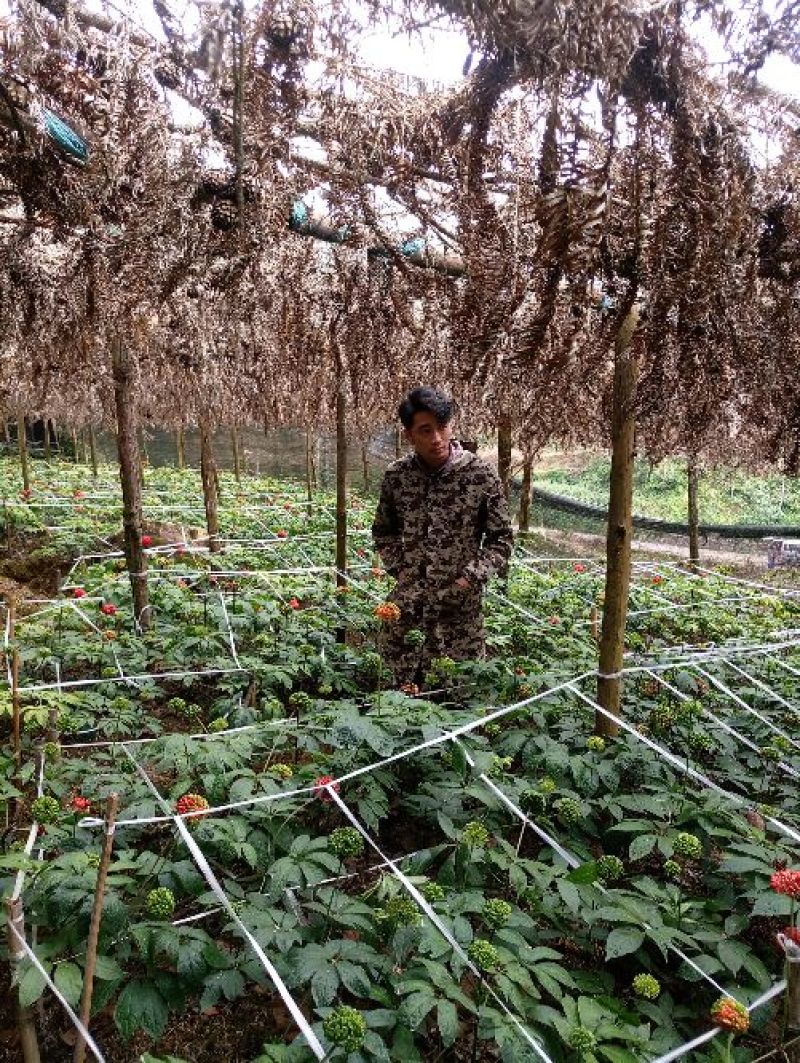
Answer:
(430, 440)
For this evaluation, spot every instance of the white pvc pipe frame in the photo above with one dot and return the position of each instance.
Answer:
(333, 792)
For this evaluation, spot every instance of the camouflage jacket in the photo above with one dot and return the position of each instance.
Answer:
(430, 528)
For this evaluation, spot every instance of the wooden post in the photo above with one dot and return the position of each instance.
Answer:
(792, 1001)
(593, 622)
(237, 458)
(15, 921)
(15, 708)
(692, 476)
(75, 455)
(365, 465)
(22, 446)
(310, 471)
(341, 472)
(525, 494)
(208, 474)
(620, 525)
(180, 446)
(504, 452)
(112, 804)
(93, 451)
(123, 370)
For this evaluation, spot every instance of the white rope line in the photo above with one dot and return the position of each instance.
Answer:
(132, 679)
(573, 861)
(743, 704)
(762, 686)
(26, 950)
(787, 768)
(445, 736)
(709, 1035)
(676, 762)
(231, 639)
(432, 916)
(207, 873)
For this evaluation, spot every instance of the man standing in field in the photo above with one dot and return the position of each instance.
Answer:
(442, 528)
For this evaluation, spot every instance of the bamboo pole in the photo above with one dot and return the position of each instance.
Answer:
(525, 494)
(123, 370)
(112, 803)
(620, 525)
(93, 450)
(15, 921)
(180, 446)
(22, 446)
(208, 475)
(692, 476)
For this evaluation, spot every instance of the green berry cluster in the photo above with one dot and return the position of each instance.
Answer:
(160, 903)
(52, 752)
(345, 842)
(500, 765)
(483, 954)
(689, 710)
(432, 892)
(700, 742)
(93, 860)
(533, 801)
(496, 913)
(45, 809)
(399, 911)
(646, 987)
(688, 846)
(596, 744)
(610, 868)
(661, 718)
(569, 811)
(672, 869)
(546, 785)
(280, 771)
(414, 637)
(475, 834)
(371, 665)
(220, 724)
(345, 1027)
(581, 1039)
(770, 752)
(300, 702)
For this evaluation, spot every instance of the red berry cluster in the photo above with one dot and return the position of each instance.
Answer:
(787, 882)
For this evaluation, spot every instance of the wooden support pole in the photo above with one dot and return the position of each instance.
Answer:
(504, 453)
(525, 494)
(208, 475)
(15, 921)
(692, 476)
(341, 473)
(74, 437)
(310, 470)
(123, 369)
(112, 803)
(180, 447)
(22, 446)
(16, 725)
(93, 450)
(620, 526)
(237, 457)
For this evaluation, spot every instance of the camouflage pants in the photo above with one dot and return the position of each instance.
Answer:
(452, 625)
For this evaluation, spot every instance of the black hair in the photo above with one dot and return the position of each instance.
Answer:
(426, 400)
